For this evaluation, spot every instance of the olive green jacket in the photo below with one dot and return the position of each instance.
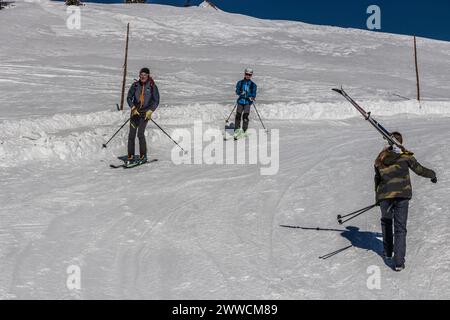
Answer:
(392, 178)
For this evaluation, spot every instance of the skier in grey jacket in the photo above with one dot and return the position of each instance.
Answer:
(143, 99)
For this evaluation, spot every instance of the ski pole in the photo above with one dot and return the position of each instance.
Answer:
(355, 214)
(228, 119)
(115, 134)
(185, 152)
(259, 116)
(312, 229)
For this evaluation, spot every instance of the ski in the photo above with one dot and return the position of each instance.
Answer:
(136, 164)
(139, 163)
(229, 132)
(113, 166)
(367, 115)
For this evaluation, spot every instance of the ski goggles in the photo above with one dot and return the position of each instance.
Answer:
(248, 75)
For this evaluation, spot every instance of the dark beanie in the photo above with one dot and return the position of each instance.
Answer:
(145, 70)
(397, 135)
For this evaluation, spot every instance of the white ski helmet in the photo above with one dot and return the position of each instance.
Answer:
(249, 71)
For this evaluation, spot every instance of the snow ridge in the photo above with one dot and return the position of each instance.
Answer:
(77, 136)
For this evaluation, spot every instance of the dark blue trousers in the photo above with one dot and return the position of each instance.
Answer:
(394, 217)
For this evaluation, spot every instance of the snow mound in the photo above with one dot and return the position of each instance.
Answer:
(80, 136)
(343, 110)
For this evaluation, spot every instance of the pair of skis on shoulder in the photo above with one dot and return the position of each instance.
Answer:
(367, 115)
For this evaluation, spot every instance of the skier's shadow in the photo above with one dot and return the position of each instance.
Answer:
(364, 239)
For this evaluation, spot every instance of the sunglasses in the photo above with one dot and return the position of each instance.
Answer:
(143, 75)
(248, 75)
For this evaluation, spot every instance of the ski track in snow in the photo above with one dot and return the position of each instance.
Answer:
(209, 232)
(238, 247)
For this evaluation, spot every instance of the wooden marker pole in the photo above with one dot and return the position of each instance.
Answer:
(417, 69)
(122, 98)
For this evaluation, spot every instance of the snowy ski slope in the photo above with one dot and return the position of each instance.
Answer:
(211, 231)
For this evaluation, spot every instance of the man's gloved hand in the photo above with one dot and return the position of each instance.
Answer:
(148, 115)
(252, 99)
(434, 180)
(134, 111)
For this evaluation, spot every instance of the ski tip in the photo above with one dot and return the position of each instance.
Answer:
(337, 90)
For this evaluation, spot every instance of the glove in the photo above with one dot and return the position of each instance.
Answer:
(148, 115)
(434, 180)
(252, 99)
(134, 111)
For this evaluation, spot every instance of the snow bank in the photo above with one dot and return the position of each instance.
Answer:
(344, 110)
(80, 136)
(42, 126)
(179, 115)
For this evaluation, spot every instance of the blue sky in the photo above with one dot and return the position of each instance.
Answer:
(429, 19)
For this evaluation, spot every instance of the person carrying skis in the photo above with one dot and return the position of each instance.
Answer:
(143, 99)
(246, 90)
(393, 192)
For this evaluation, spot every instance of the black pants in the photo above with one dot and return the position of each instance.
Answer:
(242, 109)
(394, 239)
(137, 125)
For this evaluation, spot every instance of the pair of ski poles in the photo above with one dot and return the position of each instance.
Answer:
(355, 214)
(257, 112)
(128, 120)
(349, 217)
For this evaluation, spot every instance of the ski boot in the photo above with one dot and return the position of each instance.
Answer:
(130, 160)
(399, 268)
(142, 159)
(238, 134)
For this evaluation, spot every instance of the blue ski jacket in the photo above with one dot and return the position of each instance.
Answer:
(246, 89)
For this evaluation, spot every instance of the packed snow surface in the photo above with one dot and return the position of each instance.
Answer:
(166, 231)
